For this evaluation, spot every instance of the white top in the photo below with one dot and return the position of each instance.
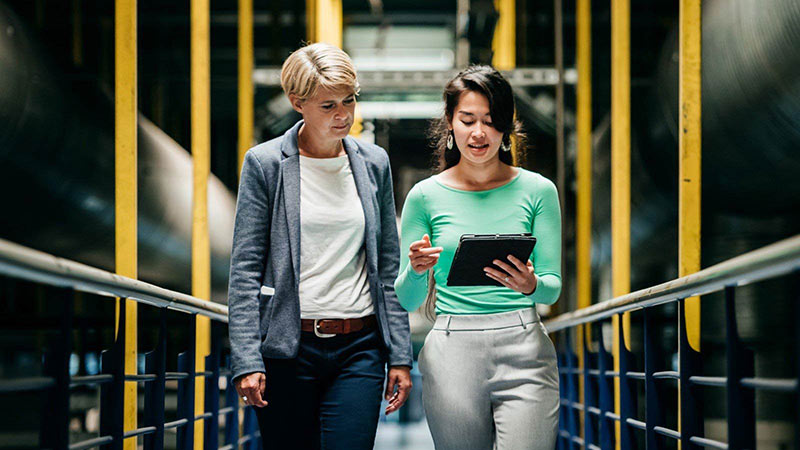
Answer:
(333, 270)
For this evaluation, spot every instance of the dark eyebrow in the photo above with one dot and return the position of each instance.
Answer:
(467, 113)
(334, 101)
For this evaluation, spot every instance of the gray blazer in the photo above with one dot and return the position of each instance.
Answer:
(263, 300)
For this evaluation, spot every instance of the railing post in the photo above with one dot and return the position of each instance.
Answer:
(691, 402)
(154, 391)
(741, 401)
(251, 428)
(589, 390)
(562, 443)
(232, 418)
(605, 388)
(653, 414)
(573, 395)
(186, 390)
(211, 439)
(54, 430)
(627, 391)
(112, 394)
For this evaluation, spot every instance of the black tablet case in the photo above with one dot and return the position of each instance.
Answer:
(476, 251)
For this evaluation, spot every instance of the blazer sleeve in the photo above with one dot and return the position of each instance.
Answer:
(400, 353)
(248, 259)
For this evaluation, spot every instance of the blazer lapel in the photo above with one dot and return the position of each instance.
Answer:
(364, 188)
(290, 174)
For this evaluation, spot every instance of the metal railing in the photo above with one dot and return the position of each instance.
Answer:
(23, 263)
(598, 376)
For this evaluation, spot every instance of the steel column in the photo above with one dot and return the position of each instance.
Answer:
(186, 391)
(324, 21)
(741, 401)
(605, 390)
(112, 395)
(245, 78)
(201, 158)
(212, 391)
(504, 42)
(155, 391)
(620, 176)
(653, 407)
(690, 406)
(627, 393)
(125, 206)
(55, 430)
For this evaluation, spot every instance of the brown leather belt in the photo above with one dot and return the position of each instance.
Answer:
(332, 327)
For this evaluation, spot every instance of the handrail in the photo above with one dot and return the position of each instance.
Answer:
(23, 262)
(770, 261)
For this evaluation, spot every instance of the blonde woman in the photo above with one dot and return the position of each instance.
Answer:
(314, 319)
(489, 371)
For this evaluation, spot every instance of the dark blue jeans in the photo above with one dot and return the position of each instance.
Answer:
(328, 397)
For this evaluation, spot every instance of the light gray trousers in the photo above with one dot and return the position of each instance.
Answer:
(490, 381)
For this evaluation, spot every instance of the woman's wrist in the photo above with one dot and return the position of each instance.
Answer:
(535, 285)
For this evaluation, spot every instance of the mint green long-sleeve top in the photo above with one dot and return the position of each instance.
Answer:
(526, 204)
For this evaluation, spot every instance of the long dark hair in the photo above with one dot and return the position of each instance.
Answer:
(488, 82)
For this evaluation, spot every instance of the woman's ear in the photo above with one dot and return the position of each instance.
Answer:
(297, 104)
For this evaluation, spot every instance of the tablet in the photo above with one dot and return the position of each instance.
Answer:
(476, 251)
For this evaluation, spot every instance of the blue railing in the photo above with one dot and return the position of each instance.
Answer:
(598, 377)
(67, 277)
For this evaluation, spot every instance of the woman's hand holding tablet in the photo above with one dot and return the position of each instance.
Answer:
(515, 276)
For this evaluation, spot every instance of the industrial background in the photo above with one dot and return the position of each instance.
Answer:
(671, 128)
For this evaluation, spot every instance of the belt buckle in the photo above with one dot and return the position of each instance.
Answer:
(316, 330)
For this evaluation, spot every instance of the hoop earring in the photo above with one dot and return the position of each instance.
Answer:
(505, 148)
(450, 141)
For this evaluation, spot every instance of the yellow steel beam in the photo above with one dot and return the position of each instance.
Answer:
(324, 21)
(77, 33)
(583, 170)
(690, 151)
(620, 172)
(504, 47)
(125, 110)
(584, 158)
(689, 142)
(245, 78)
(201, 150)
(358, 123)
(504, 43)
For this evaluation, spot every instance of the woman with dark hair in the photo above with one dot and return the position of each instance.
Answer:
(489, 369)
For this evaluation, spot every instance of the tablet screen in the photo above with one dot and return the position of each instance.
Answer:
(476, 251)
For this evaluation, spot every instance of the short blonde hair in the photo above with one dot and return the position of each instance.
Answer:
(318, 65)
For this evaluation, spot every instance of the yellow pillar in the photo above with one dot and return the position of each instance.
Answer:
(504, 43)
(358, 123)
(201, 149)
(125, 144)
(689, 143)
(504, 46)
(324, 21)
(583, 170)
(690, 146)
(620, 172)
(245, 78)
